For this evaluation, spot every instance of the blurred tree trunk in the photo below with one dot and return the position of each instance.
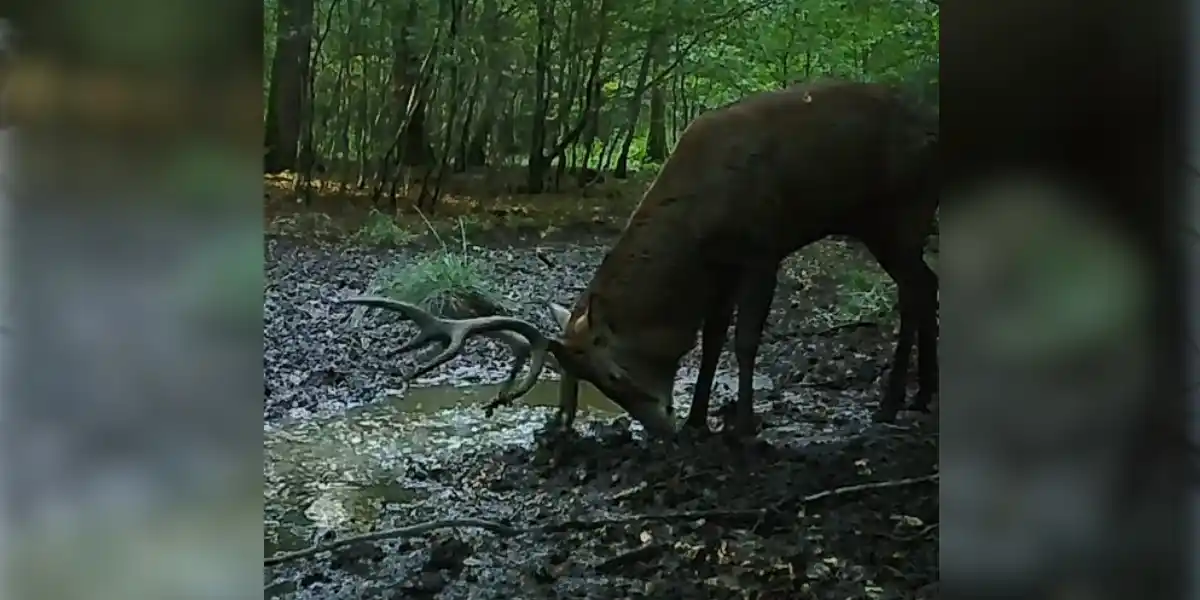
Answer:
(285, 92)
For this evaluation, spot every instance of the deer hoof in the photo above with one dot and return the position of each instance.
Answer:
(558, 424)
(692, 432)
(921, 403)
(742, 428)
(885, 415)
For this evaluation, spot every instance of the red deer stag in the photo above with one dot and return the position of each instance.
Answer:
(747, 185)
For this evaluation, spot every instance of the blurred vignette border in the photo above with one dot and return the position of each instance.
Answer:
(133, 183)
(1063, 441)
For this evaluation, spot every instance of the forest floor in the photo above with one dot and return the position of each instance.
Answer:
(824, 504)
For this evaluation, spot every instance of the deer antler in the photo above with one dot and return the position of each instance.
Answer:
(522, 336)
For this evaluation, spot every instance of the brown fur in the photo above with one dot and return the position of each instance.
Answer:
(747, 185)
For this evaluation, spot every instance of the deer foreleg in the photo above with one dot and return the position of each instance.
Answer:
(755, 292)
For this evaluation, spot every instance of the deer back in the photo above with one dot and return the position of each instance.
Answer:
(752, 181)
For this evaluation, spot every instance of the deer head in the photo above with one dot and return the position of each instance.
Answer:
(587, 348)
(614, 364)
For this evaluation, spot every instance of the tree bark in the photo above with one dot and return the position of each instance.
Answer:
(285, 91)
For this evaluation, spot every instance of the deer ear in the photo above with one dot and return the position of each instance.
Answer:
(561, 315)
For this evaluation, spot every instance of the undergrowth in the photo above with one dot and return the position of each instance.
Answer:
(450, 281)
(865, 295)
(843, 285)
(380, 229)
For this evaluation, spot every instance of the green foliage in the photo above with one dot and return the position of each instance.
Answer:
(449, 281)
(380, 229)
(866, 295)
(710, 53)
(862, 292)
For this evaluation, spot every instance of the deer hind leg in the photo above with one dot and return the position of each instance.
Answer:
(755, 292)
(712, 342)
(917, 288)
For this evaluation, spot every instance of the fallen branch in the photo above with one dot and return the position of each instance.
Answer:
(835, 384)
(502, 530)
(687, 515)
(926, 530)
(545, 259)
(877, 485)
(629, 492)
(397, 533)
(639, 554)
(848, 325)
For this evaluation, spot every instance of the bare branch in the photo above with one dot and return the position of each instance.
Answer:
(580, 525)
(392, 534)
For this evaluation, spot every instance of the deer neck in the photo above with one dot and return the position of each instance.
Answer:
(654, 295)
(647, 364)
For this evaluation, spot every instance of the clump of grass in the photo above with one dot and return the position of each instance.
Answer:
(380, 229)
(861, 295)
(866, 296)
(450, 281)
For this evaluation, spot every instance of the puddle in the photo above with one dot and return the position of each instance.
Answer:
(430, 400)
(349, 473)
(344, 473)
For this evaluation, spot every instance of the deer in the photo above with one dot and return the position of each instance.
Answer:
(747, 185)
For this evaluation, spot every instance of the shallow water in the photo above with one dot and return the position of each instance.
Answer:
(435, 399)
(341, 473)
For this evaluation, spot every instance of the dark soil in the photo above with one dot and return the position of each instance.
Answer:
(736, 524)
(623, 517)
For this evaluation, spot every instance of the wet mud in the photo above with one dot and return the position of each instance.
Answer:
(823, 504)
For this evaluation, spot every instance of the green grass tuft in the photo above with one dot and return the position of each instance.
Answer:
(451, 282)
(380, 229)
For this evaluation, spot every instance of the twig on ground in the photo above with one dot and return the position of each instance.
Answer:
(849, 325)
(628, 492)
(545, 259)
(687, 515)
(926, 530)
(581, 525)
(282, 280)
(876, 485)
(397, 533)
(639, 554)
(835, 384)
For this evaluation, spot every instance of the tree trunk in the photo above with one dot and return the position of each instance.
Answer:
(536, 179)
(635, 105)
(285, 92)
(656, 140)
(415, 148)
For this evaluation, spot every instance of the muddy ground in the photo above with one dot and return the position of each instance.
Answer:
(606, 513)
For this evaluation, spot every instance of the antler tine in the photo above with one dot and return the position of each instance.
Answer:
(538, 355)
(522, 336)
(421, 340)
(431, 330)
(457, 337)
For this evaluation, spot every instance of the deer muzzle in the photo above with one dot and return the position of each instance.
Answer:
(653, 416)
